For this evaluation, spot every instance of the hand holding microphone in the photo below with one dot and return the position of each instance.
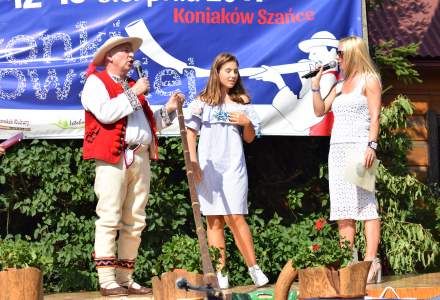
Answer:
(142, 85)
(327, 66)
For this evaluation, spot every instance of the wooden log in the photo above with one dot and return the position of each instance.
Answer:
(164, 288)
(317, 282)
(353, 280)
(21, 284)
(284, 281)
(349, 282)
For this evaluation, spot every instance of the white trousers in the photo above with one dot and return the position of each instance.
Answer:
(122, 196)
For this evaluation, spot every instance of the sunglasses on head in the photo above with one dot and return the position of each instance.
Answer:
(340, 53)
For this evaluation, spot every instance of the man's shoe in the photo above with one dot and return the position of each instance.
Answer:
(139, 291)
(117, 291)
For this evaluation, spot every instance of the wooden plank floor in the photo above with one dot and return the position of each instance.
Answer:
(423, 286)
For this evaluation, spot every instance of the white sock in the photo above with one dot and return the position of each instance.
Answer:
(107, 278)
(125, 278)
(253, 267)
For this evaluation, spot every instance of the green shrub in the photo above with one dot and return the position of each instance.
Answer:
(16, 252)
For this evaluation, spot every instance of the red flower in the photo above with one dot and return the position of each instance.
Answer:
(319, 224)
(315, 247)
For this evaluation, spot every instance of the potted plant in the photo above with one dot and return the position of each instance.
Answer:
(325, 268)
(20, 264)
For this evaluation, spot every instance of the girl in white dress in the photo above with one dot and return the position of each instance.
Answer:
(355, 102)
(223, 116)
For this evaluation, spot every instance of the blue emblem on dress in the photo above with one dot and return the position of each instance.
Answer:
(221, 115)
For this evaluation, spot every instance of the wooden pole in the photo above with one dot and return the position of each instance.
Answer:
(208, 270)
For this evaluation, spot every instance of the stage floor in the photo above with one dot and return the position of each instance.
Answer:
(420, 286)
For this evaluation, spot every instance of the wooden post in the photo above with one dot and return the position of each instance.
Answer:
(19, 284)
(208, 270)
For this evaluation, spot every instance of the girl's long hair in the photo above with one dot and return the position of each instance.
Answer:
(211, 94)
(357, 59)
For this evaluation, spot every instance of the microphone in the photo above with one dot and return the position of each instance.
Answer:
(138, 67)
(182, 283)
(327, 66)
(213, 294)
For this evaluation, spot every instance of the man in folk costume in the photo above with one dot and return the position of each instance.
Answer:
(120, 134)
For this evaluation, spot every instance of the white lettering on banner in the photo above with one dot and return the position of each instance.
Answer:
(51, 80)
(64, 2)
(13, 49)
(49, 40)
(166, 78)
(87, 48)
(21, 84)
(24, 50)
(27, 4)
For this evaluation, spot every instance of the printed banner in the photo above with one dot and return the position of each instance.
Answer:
(46, 45)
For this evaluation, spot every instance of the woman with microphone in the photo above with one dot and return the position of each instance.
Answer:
(355, 102)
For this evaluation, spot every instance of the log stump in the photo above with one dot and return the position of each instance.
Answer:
(321, 282)
(164, 288)
(21, 284)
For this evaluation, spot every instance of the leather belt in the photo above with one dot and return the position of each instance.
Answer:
(133, 146)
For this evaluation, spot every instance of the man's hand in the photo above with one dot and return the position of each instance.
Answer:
(141, 87)
(2, 151)
(174, 100)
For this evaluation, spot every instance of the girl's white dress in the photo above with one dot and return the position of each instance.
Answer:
(224, 186)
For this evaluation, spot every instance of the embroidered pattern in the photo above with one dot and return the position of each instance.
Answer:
(91, 135)
(105, 262)
(134, 102)
(126, 263)
(221, 115)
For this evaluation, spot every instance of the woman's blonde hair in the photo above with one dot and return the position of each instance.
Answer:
(211, 94)
(356, 58)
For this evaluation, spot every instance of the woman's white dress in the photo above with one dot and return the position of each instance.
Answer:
(349, 134)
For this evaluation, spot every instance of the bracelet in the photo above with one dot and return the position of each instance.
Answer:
(315, 90)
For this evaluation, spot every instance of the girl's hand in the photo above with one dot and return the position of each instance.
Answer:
(370, 156)
(239, 118)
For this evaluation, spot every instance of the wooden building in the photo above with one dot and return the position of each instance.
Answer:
(409, 21)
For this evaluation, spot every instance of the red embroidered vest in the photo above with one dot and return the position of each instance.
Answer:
(106, 142)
